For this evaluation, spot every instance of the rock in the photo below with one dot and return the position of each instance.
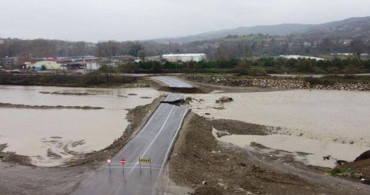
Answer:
(51, 154)
(365, 181)
(222, 133)
(341, 162)
(326, 157)
(242, 164)
(357, 175)
(224, 100)
(363, 156)
(189, 99)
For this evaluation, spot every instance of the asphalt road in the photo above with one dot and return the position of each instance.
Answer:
(172, 82)
(155, 141)
(172, 97)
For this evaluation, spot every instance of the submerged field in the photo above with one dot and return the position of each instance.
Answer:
(54, 135)
(316, 123)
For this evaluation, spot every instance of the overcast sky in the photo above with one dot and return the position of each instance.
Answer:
(100, 20)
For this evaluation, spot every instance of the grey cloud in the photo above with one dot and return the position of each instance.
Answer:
(94, 20)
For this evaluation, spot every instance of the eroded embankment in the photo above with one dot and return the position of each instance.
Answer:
(198, 157)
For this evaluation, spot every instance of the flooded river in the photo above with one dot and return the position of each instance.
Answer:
(37, 132)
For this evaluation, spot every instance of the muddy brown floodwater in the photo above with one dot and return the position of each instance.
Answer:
(51, 137)
(319, 123)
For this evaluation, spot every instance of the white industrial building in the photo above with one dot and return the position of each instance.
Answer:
(301, 57)
(195, 57)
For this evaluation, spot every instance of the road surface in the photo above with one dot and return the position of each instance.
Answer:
(155, 141)
(172, 82)
(173, 97)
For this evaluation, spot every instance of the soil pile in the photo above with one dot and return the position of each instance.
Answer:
(361, 165)
(363, 156)
(239, 127)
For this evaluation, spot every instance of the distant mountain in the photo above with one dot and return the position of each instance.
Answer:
(348, 28)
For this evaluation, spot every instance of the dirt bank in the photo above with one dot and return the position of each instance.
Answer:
(7, 105)
(11, 157)
(64, 93)
(88, 80)
(283, 83)
(239, 127)
(198, 157)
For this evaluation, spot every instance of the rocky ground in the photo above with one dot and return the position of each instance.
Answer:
(210, 167)
(276, 83)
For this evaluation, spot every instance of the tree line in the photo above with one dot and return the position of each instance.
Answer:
(226, 48)
(261, 66)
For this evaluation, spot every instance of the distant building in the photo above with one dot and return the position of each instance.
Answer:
(196, 57)
(49, 65)
(341, 54)
(306, 44)
(80, 62)
(301, 57)
(8, 61)
(153, 58)
(74, 66)
(2, 41)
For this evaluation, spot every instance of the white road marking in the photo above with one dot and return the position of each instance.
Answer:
(173, 140)
(138, 135)
(165, 122)
(119, 188)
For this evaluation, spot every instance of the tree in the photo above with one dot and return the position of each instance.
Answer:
(142, 55)
(358, 47)
(135, 48)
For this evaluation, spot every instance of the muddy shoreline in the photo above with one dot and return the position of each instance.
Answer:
(64, 80)
(23, 106)
(198, 157)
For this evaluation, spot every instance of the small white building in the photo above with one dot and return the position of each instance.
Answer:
(195, 57)
(49, 65)
(341, 54)
(301, 57)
